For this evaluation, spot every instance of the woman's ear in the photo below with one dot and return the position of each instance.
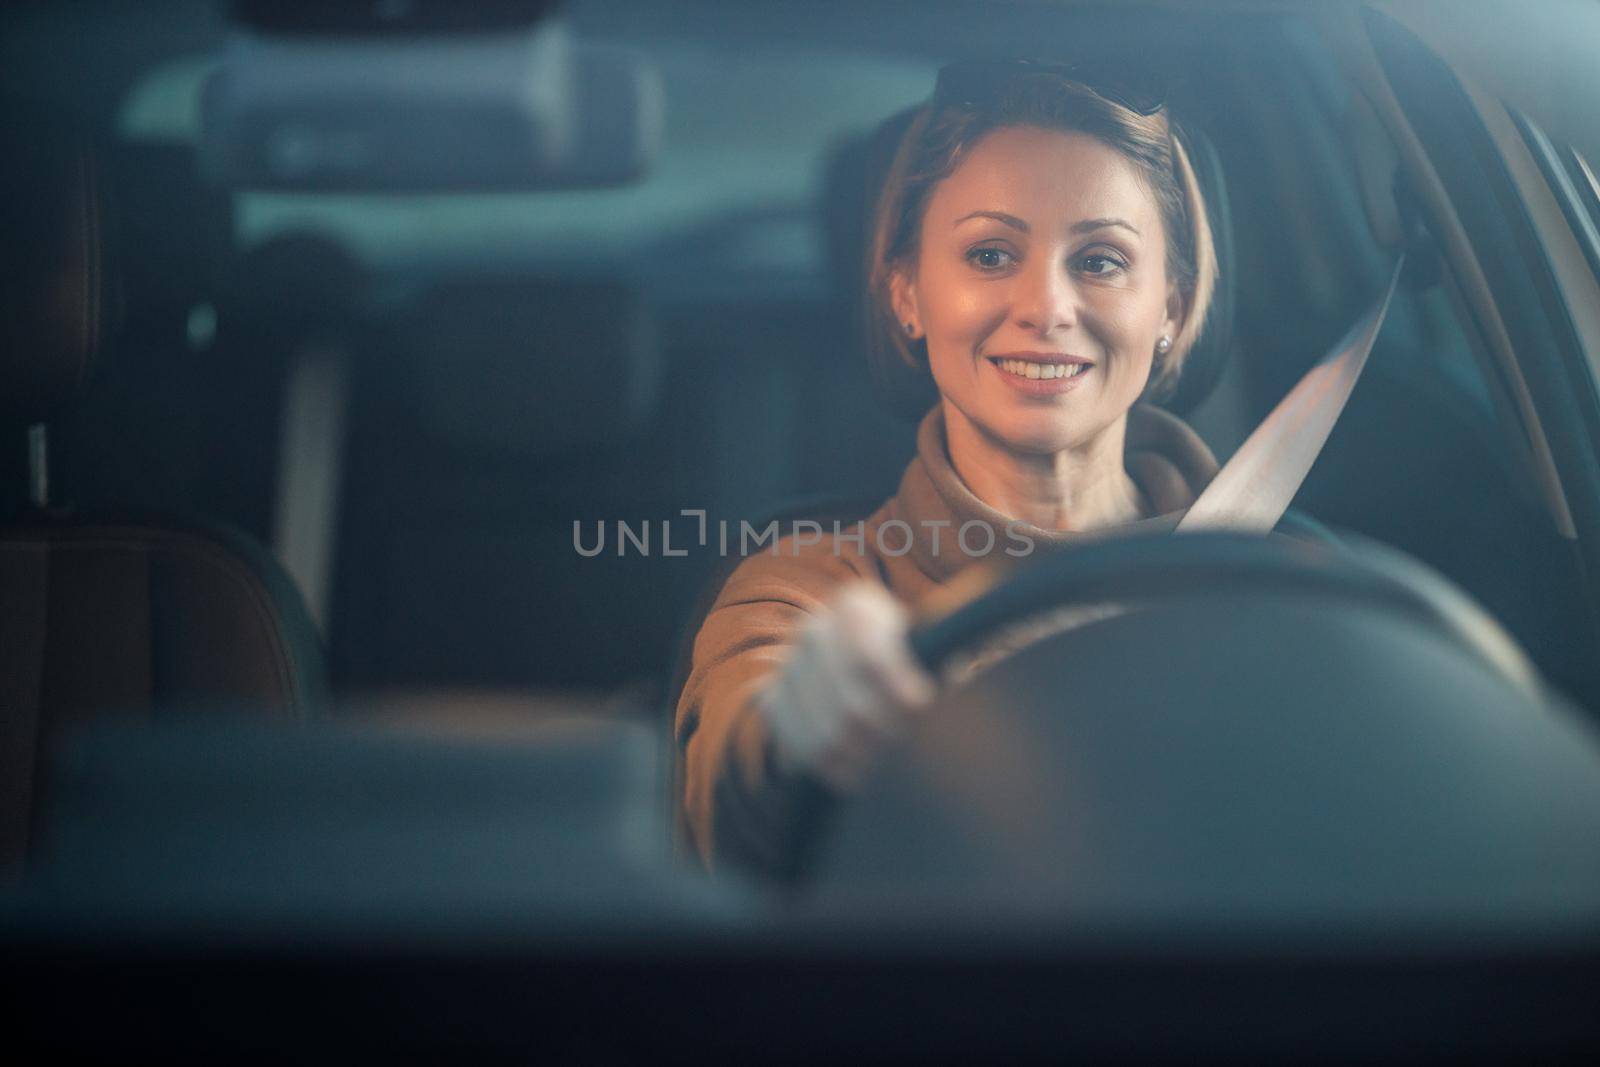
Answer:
(1177, 312)
(903, 301)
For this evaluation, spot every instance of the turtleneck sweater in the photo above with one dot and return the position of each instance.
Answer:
(737, 806)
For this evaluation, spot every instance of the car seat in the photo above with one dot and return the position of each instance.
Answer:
(106, 612)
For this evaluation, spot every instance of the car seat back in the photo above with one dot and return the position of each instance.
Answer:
(116, 613)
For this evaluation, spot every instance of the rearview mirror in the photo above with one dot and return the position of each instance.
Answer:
(525, 109)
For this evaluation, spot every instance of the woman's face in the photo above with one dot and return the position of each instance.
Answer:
(1041, 288)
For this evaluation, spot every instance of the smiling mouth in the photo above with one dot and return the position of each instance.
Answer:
(1027, 368)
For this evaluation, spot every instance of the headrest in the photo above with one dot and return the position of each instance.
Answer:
(853, 183)
(52, 264)
(177, 232)
(531, 368)
(855, 178)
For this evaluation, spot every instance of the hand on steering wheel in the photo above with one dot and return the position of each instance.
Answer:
(850, 687)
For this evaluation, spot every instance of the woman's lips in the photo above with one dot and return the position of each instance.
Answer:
(1056, 375)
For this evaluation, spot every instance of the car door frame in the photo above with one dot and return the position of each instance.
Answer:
(1520, 270)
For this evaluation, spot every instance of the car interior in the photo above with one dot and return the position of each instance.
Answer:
(328, 454)
(731, 381)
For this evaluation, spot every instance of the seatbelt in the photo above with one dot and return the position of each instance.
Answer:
(1255, 487)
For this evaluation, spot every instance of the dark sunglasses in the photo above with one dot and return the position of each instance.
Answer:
(980, 82)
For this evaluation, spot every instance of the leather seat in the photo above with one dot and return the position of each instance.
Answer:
(102, 613)
(184, 412)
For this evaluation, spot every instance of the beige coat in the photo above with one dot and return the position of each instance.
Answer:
(737, 810)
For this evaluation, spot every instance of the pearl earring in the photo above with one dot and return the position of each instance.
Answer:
(1164, 345)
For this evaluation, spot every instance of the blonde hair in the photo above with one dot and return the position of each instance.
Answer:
(941, 135)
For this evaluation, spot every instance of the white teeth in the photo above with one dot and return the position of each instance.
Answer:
(1023, 368)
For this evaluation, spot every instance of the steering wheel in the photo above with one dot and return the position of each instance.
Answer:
(1370, 599)
(1278, 728)
(1145, 569)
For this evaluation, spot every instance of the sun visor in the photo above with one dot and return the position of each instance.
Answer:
(521, 109)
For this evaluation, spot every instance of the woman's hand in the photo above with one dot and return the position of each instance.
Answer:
(851, 686)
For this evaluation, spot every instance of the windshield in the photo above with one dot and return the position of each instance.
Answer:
(429, 553)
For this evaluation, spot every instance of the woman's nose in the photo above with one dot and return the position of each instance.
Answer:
(1045, 299)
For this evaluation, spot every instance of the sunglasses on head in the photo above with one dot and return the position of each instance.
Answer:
(977, 83)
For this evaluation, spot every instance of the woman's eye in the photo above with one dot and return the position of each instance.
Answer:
(1100, 264)
(989, 258)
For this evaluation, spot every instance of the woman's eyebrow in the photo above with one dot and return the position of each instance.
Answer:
(1083, 226)
(1099, 224)
(999, 216)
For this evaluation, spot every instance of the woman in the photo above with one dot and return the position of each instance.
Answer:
(1042, 250)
